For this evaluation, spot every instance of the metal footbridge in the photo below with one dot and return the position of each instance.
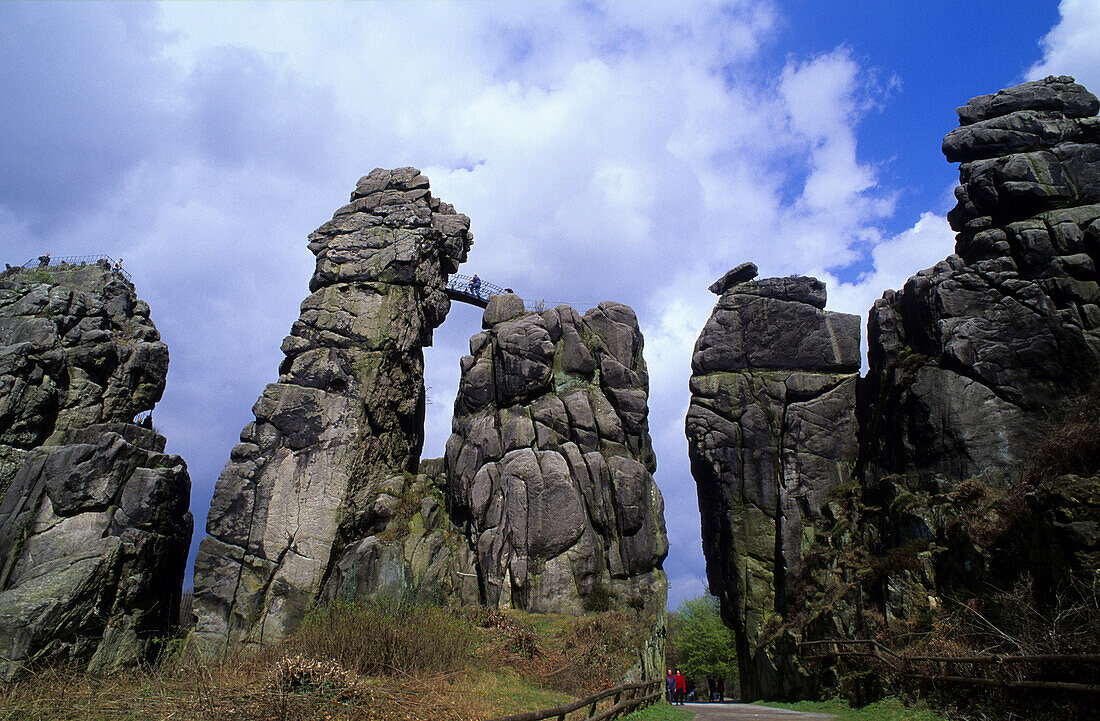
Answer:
(471, 289)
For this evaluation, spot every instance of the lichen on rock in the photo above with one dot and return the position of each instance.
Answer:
(550, 463)
(302, 489)
(94, 520)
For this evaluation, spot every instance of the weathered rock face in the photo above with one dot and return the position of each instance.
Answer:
(971, 354)
(969, 364)
(94, 526)
(550, 463)
(309, 482)
(771, 431)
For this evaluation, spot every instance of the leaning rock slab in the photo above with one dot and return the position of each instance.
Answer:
(304, 492)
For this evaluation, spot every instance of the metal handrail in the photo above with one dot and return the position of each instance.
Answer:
(618, 706)
(901, 663)
(79, 260)
(462, 287)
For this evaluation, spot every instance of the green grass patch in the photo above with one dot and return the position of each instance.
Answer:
(661, 711)
(889, 709)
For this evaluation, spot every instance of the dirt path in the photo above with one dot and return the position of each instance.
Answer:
(746, 712)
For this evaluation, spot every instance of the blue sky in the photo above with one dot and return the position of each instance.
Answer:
(623, 151)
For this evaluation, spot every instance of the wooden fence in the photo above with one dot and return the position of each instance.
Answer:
(1001, 671)
(625, 698)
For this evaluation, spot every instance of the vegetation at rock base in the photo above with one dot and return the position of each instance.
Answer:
(662, 712)
(1011, 569)
(377, 662)
(699, 644)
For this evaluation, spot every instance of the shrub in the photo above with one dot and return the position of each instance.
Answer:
(380, 637)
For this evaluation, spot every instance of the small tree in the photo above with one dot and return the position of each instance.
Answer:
(699, 644)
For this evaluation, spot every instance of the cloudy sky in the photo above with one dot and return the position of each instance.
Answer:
(621, 151)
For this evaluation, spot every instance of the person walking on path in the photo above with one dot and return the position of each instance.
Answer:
(670, 686)
(721, 689)
(681, 687)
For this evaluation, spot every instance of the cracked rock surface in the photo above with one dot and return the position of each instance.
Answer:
(94, 520)
(550, 463)
(771, 431)
(342, 429)
(970, 356)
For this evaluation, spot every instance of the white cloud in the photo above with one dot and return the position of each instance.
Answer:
(1071, 47)
(623, 151)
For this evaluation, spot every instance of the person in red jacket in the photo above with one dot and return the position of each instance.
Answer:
(681, 687)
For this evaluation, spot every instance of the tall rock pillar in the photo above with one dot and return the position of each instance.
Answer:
(346, 414)
(771, 431)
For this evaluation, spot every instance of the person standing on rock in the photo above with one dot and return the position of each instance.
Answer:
(681, 687)
(43, 260)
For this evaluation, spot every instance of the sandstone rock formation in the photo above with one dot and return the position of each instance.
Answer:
(317, 474)
(94, 526)
(771, 431)
(971, 354)
(550, 463)
(970, 364)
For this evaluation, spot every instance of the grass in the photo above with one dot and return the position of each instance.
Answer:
(357, 663)
(889, 709)
(662, 711)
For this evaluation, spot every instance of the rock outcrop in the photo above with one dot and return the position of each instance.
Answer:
(771, 432)
(970, 356)
(338, 438)
(94, 526)
(550, 463)
(972, 366)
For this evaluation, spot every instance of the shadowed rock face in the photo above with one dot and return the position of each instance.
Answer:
(310, 480)
(967, 364)
(94, 526)
(550, 464)
(771, 431)
(971, 354)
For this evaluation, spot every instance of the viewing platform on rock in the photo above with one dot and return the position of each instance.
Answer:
(78, 260)
(464, 289)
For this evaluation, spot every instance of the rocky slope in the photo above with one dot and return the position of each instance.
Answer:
(94, 526)
(771, 432)
(550, 463)
(338, 437)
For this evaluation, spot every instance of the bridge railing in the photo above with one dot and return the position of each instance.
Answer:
(945, 669)
(625, 698)
(477, 293)
(78, 260)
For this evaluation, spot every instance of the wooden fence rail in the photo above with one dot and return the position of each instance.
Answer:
(625, 697)
(908, 665)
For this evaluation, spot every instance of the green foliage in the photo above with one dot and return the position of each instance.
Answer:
(698, 642)
(661, 711)
(41, 275)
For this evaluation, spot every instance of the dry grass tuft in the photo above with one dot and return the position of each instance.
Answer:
(374, 662)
